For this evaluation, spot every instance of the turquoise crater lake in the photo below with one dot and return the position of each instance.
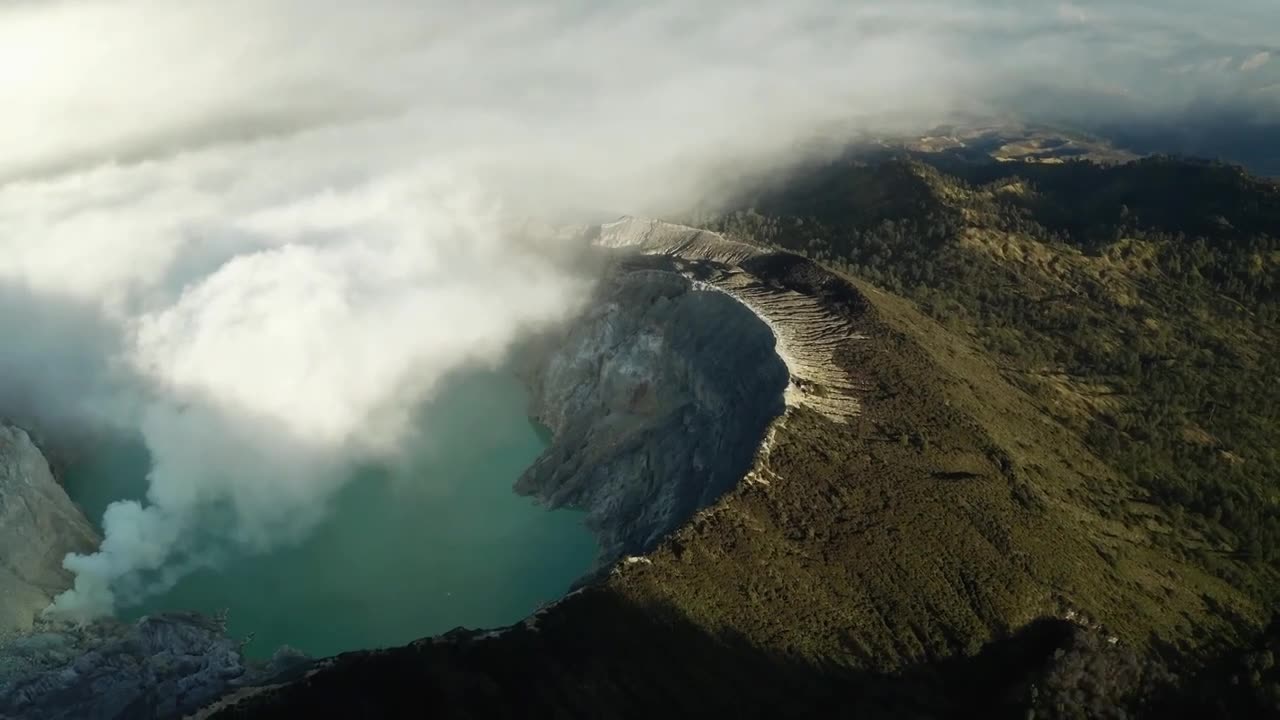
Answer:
(401, 557)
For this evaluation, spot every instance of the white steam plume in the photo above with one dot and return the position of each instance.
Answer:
(260, 232)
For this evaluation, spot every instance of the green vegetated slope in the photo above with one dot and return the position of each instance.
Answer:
(1137, 304)
(950, 514)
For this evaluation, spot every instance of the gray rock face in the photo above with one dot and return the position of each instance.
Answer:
(39, 525)
(162, 666)
(794, 297)
(664, 394)
(657, 399)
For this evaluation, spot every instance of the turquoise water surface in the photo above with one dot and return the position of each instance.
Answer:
(401, 557)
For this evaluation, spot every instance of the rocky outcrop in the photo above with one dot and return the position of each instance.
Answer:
(797, 300)
(663, 395)
(657, 400)
(39, 525)
(162, 666)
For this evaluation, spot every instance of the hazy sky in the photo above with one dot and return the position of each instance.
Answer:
(260, 231)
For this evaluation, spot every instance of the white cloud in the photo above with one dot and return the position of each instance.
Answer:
(1074, 13)
(1255, 61)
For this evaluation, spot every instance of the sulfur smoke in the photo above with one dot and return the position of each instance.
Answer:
(261, 233)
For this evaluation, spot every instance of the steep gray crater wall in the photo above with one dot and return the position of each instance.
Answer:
(664, 394)
(39, 525)
(657, 398)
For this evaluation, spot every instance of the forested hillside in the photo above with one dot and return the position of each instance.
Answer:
(1138, 303)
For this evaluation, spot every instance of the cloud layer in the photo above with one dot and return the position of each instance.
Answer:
(260, 232)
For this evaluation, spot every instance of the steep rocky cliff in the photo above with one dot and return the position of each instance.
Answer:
(657, 400)
(39, 525)
(662, 395)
